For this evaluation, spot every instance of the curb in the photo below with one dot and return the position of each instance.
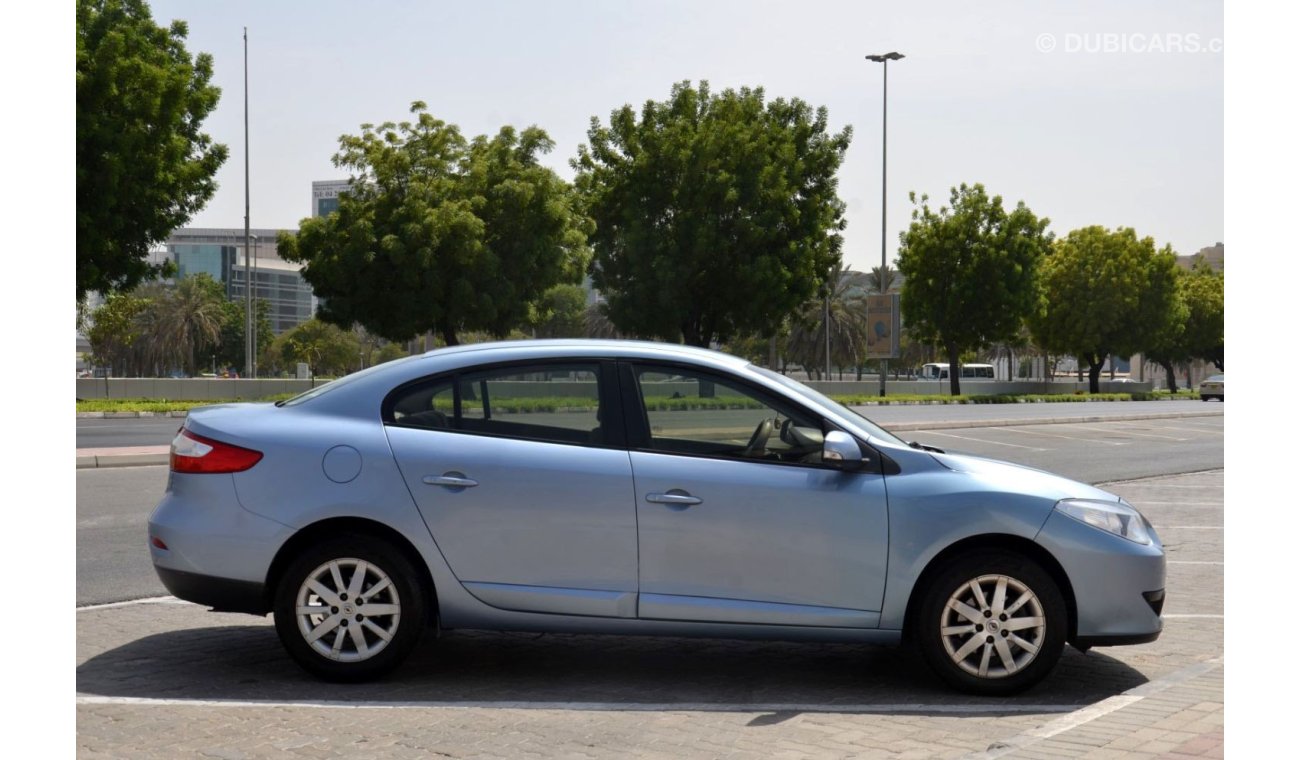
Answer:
(138, 460)
(958, 424)
(121, 460)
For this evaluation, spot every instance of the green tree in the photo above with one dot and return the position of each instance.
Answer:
(143, 165)
(184, 325)
(1104, 292)
(560, 312)
(886, 276)
(439, 234)
(533, 238)
(230, 350)
(716, 214)
(969, 271)
(1195, 327)
(115, 334)
(847, 323)
(325, 348)
(1202, 290)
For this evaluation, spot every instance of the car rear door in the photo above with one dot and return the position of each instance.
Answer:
(522, 475)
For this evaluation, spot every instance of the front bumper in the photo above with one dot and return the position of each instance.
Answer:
(1118, 585)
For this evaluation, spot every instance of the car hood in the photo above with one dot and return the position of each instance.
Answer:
(1015, 477)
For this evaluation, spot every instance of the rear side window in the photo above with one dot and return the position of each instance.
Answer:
(558, 403)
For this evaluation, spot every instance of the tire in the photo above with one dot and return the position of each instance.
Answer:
(973, 660)
(387, 634)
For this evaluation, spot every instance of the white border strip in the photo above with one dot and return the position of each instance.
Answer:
(131, 602)
(1102, 708)
(992, 708)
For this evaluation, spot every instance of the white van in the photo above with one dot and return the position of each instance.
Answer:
(968, 372)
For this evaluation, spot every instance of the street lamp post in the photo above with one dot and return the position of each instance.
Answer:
(884, 145)
(252, 315)
(248, 270)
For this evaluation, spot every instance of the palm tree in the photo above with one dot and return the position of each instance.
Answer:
(185, 322)
(886, 274)
(844, 313)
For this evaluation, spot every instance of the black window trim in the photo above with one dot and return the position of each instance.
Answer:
(606, 396)
(637, 423)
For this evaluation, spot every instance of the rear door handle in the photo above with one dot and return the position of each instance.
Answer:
(450, 480)
(676, 497)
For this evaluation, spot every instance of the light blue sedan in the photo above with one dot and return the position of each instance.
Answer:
(635, 488)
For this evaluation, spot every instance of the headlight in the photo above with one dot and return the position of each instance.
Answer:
(1111, 516)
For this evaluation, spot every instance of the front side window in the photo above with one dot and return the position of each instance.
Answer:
(689, 412)
(559, 403)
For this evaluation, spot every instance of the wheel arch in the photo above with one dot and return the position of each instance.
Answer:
(350, 526)
(1001, 541)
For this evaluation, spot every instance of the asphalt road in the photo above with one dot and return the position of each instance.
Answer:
(158, 431)
(113, 504)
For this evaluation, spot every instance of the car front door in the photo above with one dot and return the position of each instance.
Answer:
(739, 521)
(525, 483)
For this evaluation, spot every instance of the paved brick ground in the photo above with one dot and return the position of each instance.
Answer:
(170, 680)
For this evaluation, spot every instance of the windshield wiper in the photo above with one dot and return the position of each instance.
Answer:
(923, 447)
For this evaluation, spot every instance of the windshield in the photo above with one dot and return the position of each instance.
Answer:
(342, 381)
(874, 430)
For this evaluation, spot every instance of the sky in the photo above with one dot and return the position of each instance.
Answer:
(1105, 113)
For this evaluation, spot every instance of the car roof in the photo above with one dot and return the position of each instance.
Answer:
(354, 391)
(560, 346)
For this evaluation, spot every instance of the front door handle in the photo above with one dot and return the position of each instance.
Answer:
(676, 497)
(450, 480)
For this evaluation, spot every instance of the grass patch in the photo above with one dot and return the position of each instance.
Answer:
(159, 404)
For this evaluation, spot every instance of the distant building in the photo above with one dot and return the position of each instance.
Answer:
(325, 195)
(1211, 254)
(220, 254)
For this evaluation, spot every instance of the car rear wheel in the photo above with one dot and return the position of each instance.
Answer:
(992, 623)
(349, 609)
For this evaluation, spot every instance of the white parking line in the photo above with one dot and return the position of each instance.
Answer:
(982, 440)
(1066, 437)
(1191, 527)
(1156, 487)
(1192, 617)
(1211, 431)
(1189, 562)
(1127, 431)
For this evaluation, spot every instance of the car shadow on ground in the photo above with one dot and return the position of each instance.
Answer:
(506, 669)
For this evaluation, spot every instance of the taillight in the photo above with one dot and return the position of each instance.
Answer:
(193, 453)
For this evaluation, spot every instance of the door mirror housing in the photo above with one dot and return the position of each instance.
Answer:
(841, 450)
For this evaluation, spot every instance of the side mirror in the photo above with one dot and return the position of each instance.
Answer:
(840, 450)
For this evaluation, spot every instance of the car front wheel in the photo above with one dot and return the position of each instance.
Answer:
(992, 623)
(349, 609)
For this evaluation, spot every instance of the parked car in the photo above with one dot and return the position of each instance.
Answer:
(1212, 387)
(635, 488)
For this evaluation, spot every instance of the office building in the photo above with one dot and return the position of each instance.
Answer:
(220, 253)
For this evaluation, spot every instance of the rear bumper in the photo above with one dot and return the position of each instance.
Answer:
(221, 594)
(208, 549)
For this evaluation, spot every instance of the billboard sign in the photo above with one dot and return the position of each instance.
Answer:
(882, 326)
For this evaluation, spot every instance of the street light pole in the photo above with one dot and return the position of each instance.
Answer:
(248, 269)
(252, 316)
(884, 147)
